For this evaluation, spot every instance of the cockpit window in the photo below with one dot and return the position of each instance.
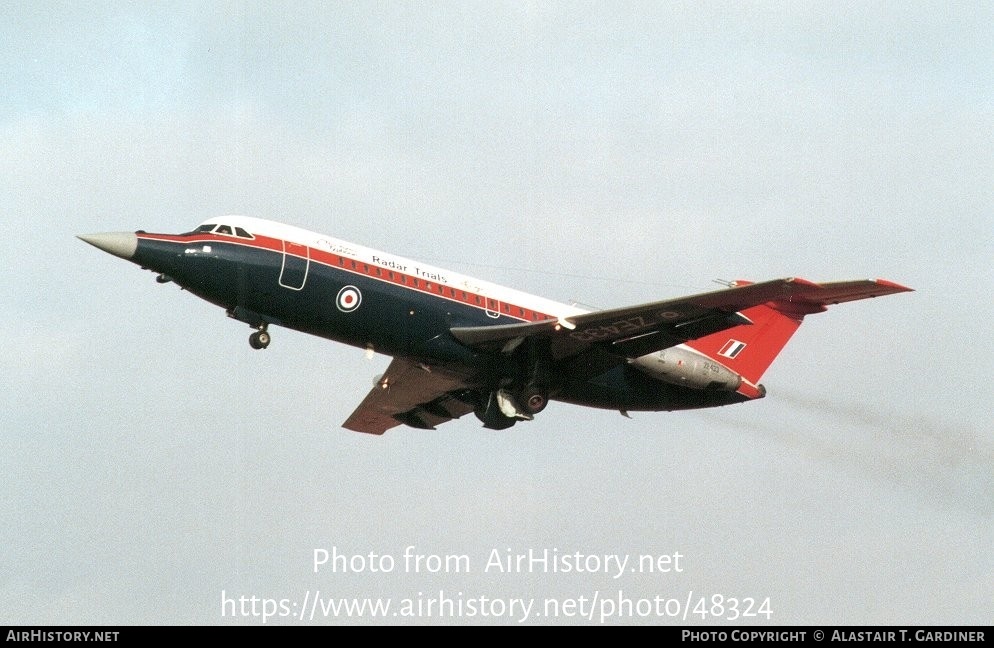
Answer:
(223, 229)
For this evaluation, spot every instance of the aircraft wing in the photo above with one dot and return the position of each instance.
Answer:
(637, 330)
(411, 394)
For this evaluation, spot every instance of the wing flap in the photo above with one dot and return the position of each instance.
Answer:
(492, 338)
(410, 394)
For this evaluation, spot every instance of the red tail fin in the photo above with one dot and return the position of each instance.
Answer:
(751, 348)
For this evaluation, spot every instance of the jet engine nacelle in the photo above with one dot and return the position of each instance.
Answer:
(685, 367)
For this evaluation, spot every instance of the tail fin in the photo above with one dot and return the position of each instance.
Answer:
(750, 349)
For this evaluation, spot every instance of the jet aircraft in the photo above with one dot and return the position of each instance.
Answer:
(462, 345)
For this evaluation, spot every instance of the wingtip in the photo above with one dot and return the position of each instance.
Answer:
(895, 287)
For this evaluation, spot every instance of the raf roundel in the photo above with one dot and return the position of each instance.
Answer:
(348, 299)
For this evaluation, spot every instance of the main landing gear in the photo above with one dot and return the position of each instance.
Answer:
(502, 409)
(522, 391)
(260, 339)
(532, 400)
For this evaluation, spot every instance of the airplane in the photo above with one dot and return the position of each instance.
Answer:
(463, 345)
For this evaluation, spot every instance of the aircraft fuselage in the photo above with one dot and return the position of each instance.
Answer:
(462, 344)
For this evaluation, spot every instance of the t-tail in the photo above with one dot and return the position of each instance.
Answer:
(749, 349)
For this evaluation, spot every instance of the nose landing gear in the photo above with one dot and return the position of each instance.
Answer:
(260, 339)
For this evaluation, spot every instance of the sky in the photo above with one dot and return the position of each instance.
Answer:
(154, 466)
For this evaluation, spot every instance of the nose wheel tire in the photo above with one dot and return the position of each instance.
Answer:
(259, 340)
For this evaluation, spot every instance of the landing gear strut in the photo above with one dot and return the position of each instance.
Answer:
(260, 339)
(534, 373)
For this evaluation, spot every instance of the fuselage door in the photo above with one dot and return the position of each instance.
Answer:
(296, 264)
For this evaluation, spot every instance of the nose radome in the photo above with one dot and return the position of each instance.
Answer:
(120, 244)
